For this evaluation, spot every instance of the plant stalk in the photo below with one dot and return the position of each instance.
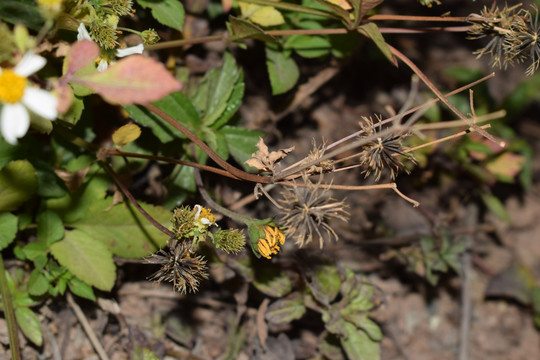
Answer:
(9, 313)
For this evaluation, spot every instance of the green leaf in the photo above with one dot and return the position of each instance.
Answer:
(240, 29)
(284, 311)
(325, 284)
(29, 325)
(86, 258)
(50, 227)
(282, 70)
(35, 249)
(330, 348)
(496, 207)
(308, 46)
(81, 289)
(358, 345)
(217, 142)
(92, 193)
(37, 283)
(168, 12)
(177, 106)
(241, 143)
(73, 115)
(17, 184)
(8, 229)
(21, 11)
(371, 31)
(213, 94)
(49, 184)
(361, 321)
(272, 282)
(123, 229)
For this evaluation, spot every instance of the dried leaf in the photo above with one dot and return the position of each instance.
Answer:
(264, 161)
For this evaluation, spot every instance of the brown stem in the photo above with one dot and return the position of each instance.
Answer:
(240, 174)
(437, 92)
(133, 201)
(383, 17)
(116, 152)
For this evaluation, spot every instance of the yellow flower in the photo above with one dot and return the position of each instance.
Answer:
(203, 217)
(271, 243)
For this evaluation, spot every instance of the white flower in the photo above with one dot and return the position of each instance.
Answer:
(82, 33)
(17, 97)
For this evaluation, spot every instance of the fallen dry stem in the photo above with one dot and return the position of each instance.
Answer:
(437, 92)
(453, 136)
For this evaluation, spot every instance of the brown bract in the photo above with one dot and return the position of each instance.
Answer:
(265, 161)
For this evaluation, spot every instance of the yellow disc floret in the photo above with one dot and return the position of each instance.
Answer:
(12, 87)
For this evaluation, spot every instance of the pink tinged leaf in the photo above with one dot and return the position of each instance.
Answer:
(82, 53)
(65, 97)
(227, 5)
(507, 165)
(133, 80)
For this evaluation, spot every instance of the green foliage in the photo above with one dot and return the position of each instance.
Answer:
(87, 258)
(433, 257)
(8, 229)
(343, 300)
(17, 184)
(21, 11)
(282, 70)
(60, 185)
(167, 12)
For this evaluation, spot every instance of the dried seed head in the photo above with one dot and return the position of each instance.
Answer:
(514, 35)
(306, 211)
(179, 267)
(384, 152)
(320, 167)
(523, 41)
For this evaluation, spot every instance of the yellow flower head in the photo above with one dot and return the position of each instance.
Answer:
(203, 218)
(271, 243)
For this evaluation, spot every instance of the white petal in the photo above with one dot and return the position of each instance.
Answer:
(103, 65)
(137, 49)
(82, 33)
(14, 122)
(29, 64)
(205, 221)
(41, 102)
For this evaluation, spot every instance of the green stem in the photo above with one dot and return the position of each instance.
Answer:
(229, 213)
(129, 30)
(184, 42)
(9, 313)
